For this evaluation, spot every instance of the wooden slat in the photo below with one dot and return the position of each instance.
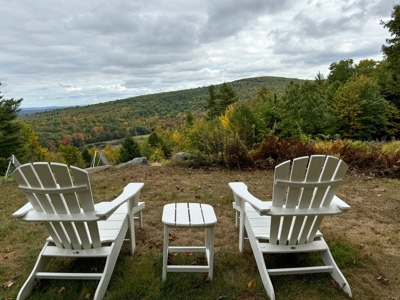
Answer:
(65, 182)
(76, 276)
(81, 177)
(182, 214)
(300, 270)
(196, 214)
(279, 192)
(47, 179)
(168, 216)
(297, 174)
(327, 174)
(208, 215)
(32, 180)
(339, 173)
(304, 234)
(310, 185)
(21, 181)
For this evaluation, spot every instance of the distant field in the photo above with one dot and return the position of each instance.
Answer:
(114, 143)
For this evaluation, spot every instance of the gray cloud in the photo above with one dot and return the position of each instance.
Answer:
(84, 52)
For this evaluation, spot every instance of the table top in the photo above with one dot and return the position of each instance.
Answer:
(189, 215)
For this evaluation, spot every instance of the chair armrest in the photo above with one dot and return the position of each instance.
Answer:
(340, 203)
(240, 190)
(23, 210)
(131, 190)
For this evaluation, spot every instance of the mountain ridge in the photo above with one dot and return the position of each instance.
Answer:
(136, 115)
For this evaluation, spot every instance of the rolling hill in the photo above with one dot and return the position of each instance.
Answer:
(136, 115)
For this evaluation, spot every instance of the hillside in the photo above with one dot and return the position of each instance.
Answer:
(136, 115)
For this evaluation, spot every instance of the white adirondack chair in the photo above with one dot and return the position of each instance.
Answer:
(77, 227)
(303, 194)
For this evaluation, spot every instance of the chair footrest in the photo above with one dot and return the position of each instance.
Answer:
(78, 276)
(304, 270)
(188, 268)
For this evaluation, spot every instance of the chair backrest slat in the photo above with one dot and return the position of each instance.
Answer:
(22, 182)
(47, 180)
(81, 177)
(278, 199)
(65, 181)
(340, 172)
(312, 183)
(67, 195)
(32, 180)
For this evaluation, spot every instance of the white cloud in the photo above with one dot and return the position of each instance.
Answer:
(84, 52)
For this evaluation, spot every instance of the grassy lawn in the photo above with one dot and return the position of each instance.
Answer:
(365, 241)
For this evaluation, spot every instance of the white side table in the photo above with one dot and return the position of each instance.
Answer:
(187, 215)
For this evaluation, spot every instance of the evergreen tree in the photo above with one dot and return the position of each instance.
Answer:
(390, 80)
(11, 139)
(211, 106)
(87, 158)
(153, 139)
(129, 150)
(217, 102)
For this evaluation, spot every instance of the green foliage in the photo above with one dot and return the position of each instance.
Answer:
(71, 156)
(390, 67)
(359, 109)
(218, 101)
(11, 139)
(303, 109)
(129, 150)
(243, 121)
(134, 116)
(341, 71)
(87, 158)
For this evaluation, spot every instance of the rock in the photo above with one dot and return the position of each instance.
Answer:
(180, 156)
(135, 161)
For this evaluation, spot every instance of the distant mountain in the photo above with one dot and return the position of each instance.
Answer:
(137, 115)
(25, 111)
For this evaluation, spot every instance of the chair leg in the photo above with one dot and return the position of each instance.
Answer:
(140, 219)
(110, 263)
(241, 230)
(131, 226)
(336, 273)
(210, 250)
(165, 253)
(31, 282)
(236, 219)
(259, 257)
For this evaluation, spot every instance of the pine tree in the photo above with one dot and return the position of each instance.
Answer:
(11, 139)
(219, 101)
(129, 150)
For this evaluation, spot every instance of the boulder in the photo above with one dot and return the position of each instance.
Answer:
(135, 161)
(180, 156)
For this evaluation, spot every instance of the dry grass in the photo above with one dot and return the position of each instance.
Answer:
(365, 241)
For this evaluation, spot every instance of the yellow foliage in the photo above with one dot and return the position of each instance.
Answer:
(225, 118)
(224, 121)
(111, 153)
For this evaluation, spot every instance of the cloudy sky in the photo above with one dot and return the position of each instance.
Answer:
(63, 53)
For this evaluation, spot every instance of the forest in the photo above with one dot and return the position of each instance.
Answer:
(353, 112)
(133, 116)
